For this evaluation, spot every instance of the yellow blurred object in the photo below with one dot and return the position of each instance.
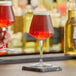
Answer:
(47, 4)
(29, 43)
(70, 34)
(61, 1)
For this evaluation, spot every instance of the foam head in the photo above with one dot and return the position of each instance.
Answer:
(41, 13)
(5, 3)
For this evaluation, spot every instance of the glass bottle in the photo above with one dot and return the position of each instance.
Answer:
(62, 25)
(29, 43)
(16, 30)
(55, 40)
(70, 33)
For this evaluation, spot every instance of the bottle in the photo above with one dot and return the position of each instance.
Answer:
(62, 25)
(70, 33)
(55, 40)
(29, 42)
(16, 30)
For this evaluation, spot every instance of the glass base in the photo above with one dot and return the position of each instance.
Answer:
(38, 67)
(7, 50)
(3, 51)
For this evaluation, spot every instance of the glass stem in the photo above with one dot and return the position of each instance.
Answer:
(4, 45)
(6, 28)
(41, 51)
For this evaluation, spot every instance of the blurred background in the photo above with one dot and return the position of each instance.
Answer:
(22, 42)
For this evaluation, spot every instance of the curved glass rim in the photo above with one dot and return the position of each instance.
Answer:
(41, 12)
(5, 3)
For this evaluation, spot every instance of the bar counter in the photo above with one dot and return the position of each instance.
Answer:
(68, 69)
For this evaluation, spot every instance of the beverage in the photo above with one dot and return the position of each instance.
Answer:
(6, 16)
(70, 34)
(39, 30)
(6, 19)
(41, 19)
(38, 27)
(39, 5)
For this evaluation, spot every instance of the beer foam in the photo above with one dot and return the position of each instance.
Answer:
(5, 3)
(41, 12)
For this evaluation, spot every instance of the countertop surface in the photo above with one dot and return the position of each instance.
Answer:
(68, 69)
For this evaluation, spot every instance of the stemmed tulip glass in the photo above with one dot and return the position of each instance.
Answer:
(6, 17)
(41, 28)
